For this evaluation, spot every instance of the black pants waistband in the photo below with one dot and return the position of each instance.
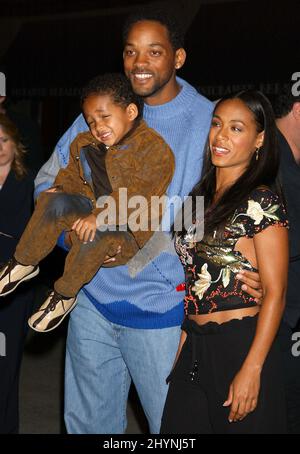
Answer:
(213, 328)
(190, 326)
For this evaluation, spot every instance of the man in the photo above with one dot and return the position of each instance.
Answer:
(124, 328)
(287, 111)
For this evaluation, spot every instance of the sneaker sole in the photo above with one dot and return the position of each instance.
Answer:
(26, 278)
(54, 327)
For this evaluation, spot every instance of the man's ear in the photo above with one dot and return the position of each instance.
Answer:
(296, 110)
(132, 111)
(180, 56)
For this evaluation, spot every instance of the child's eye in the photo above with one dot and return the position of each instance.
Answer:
(236, 128)
(215, 123)
(156, 53)
(129, 52)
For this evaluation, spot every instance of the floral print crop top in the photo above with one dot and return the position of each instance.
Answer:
(211, 266)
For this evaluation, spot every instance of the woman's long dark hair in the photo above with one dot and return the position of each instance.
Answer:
(261, 172)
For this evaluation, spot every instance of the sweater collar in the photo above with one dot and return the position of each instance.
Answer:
(184, 98)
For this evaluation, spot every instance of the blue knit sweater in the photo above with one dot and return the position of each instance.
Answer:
(149, 300)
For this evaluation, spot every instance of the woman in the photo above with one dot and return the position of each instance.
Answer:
(227, 376)
(16, 189)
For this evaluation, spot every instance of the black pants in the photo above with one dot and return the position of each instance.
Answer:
(210, 358)
(14, 312)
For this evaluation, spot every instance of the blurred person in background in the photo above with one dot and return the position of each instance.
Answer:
(16, 199)
(29, 133)
(287, 112)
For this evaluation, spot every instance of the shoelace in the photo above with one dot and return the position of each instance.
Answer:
(56, 298)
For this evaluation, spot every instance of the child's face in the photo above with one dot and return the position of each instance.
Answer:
(108, 121)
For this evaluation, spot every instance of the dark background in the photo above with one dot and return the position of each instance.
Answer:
(52, 48)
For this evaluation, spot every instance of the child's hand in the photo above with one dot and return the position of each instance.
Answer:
(85, 228)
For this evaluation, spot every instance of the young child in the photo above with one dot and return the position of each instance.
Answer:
(119, 151)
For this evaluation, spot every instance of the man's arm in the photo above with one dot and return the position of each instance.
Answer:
(60, 156)
(59, 159)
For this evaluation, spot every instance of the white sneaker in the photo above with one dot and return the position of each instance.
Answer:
(52, 312)
(13, 273)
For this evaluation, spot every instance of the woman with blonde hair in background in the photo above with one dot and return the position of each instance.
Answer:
(16, 190)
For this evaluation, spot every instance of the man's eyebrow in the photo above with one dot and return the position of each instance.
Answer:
(150, 45)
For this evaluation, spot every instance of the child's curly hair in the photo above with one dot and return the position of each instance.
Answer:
(115, 85)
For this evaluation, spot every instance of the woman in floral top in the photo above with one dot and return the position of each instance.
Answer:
(227, 375)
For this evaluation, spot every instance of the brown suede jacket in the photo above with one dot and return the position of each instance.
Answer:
(142, 163)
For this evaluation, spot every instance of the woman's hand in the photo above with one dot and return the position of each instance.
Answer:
(85, 228)
(243, 393)
(251, 284)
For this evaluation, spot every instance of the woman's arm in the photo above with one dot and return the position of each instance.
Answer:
(271, 247)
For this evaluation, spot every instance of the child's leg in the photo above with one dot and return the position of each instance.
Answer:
(82, 263)
(54, 213)
(84, 260)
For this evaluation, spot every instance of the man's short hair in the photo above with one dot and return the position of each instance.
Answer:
(115, 85)
(284, 100)
(175, 31)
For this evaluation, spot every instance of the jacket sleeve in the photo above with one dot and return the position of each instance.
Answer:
(148, 174)
(59, 158)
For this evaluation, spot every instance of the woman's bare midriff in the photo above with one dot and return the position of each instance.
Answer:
(225, 316)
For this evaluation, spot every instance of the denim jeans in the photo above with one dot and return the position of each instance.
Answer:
(101, 360)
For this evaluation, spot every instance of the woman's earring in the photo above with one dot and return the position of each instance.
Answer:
(257, 153)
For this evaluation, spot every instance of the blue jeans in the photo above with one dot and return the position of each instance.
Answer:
(101, 360)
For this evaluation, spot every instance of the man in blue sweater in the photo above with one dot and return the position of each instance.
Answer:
(126, 328)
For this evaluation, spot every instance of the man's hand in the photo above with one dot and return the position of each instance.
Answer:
(109, 259)
(57, 188)
(252, 284)
(85, 228)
